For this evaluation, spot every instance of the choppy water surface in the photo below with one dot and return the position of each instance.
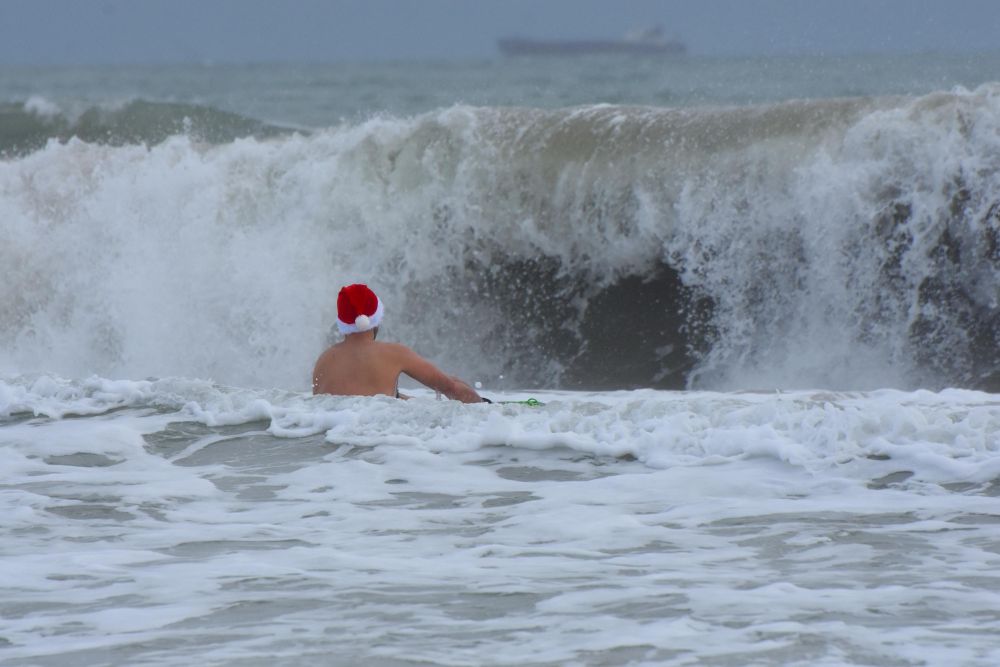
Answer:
(808, 247)
(831, 242)
(177, 521)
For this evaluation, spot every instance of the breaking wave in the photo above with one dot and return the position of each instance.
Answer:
(849, 243)
(29, 126)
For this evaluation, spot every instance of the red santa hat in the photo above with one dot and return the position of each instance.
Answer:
(358, 309)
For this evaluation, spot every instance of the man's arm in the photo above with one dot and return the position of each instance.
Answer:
(428, 374)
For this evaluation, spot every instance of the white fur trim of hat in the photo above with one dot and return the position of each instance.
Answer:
(362, 322)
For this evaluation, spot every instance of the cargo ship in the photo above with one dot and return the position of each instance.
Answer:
(650, 41)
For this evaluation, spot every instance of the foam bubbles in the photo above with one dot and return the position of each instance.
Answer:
(42, 107)
(814, 228)
(185, 521)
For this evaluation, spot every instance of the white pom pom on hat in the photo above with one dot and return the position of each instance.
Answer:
(362, 323)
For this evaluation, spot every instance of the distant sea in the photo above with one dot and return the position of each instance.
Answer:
(759, 299)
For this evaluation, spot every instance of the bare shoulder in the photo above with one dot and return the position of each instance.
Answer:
(397, 350)
(392, 346)
(326, 354)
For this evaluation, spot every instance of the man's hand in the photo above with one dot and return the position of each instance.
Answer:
(463, 392)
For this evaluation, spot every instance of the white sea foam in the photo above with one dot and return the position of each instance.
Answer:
(222, 262)
(40, 106)
(173, 520)
(180, 521)
(944, 436)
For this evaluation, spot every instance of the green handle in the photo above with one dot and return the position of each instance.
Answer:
(531, 402)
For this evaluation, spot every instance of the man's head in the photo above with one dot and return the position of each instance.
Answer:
(358, 309)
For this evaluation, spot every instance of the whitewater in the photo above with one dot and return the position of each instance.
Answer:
(759, 301)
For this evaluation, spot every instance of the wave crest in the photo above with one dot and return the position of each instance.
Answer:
(29, 126)
(830, 243)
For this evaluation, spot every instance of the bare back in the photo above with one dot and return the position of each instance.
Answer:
(357, 370)
(360, 366)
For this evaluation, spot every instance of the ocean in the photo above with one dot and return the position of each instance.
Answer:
(758, 299)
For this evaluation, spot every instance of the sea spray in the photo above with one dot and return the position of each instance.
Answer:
(28, 126)
(825, 243)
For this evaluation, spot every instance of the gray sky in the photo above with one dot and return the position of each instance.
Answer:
(142, 31)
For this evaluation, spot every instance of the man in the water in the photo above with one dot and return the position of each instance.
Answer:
(359, 366)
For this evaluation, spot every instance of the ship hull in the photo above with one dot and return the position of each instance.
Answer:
(531, 47)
